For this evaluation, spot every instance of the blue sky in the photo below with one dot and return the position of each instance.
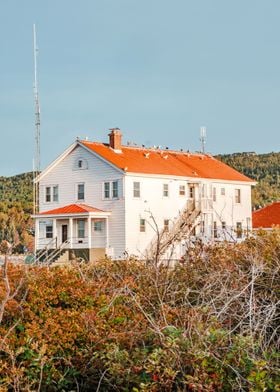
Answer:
(157, 69)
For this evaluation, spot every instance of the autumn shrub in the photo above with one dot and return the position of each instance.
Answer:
(210, 324)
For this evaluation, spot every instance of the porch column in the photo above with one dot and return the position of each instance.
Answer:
(89, 232)
(107, 232)
(55, 231)
(71, 233)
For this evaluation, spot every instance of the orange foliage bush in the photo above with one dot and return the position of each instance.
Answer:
(208, 325)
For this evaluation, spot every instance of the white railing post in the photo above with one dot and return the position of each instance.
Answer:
(89, 232)
(70, 233)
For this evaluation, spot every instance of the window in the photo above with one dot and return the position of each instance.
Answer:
(115, 189)
(136, 189)
(49, 231)
(81, 228)
(80, 164)
(224, 225)
(237, 195)
(191, 192)
(142, 225)
(55, 193)
(111, 189)
(165, 190)
(48, 194)
(182, 190)
(81, 192)
(223, 191)
(98, 226)
(166, 224)
(239, 229)
(202, 226)
(106, 190)
(51, 194)
(215, 230)
(214, 194)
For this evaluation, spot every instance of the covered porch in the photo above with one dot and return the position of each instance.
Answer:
(76, 227)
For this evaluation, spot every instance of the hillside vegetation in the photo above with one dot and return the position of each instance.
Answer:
(15, 209)
(264, 168)
(208, 325)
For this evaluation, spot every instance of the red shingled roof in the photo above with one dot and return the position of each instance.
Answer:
(267, 217)
(71, 209)
(165, 162)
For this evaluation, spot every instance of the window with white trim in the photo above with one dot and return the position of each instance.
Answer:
(136, 189)
(48, 194)
(166, 224)
(115, 189)
(237, 195)
(182, 190)
(214, 194)
(142, 225)
(81, 228)
(55, 193)
(223, 191)
(81, 191)
(165, 190)
(191, 192)
(80, 164)
(51, 193)
(239, 229)
(111, 190)
(49, 231)
(215, 230)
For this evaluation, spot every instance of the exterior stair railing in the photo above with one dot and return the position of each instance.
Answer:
(181, 228)
(57, 252)
(43, 253)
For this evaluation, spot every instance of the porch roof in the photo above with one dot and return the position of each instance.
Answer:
(74, 210)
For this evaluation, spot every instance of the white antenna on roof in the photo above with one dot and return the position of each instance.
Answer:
(36, 169)
(203, 138)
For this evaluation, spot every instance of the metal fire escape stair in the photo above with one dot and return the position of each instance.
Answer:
(181, 229)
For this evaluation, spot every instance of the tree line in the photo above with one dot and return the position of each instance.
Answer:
(264, 168)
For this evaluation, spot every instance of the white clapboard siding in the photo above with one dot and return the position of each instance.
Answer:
(152, 202)
(67, 176)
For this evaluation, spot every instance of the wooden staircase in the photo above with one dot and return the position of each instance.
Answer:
(49, 255)
(181, 229)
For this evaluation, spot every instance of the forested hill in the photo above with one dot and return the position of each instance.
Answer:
(15, 210)
(17, 189)
(264, 168)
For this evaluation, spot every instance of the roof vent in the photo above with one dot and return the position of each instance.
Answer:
(146, 155)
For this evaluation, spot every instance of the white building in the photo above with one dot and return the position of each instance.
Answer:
(107, 198)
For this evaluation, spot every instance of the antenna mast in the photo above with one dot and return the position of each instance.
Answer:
(203, 138)
(36, 169)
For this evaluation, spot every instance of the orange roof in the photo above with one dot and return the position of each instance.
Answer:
(71, 209)
(267, 217)
(165, 162)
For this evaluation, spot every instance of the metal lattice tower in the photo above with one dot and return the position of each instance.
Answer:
(37, 163)
(203, 138)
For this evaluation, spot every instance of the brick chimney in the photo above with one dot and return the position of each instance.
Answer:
(115, 140)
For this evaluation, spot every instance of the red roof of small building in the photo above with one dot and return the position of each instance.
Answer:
(71, 209)
(267, 217)
(166, 162)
